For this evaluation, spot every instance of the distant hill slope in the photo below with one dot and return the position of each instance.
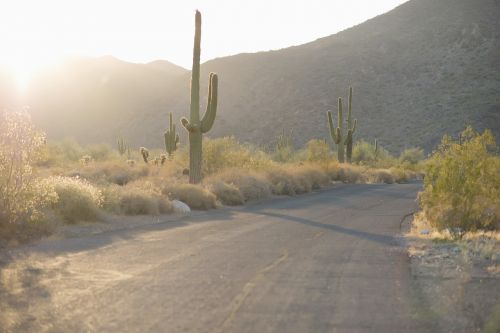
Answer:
(96, 99)
(426, 68)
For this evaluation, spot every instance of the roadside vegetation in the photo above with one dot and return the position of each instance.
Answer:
(462, 186)
(47, 183)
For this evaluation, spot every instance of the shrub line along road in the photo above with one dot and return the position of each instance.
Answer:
(330, 261)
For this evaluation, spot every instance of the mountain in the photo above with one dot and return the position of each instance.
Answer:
(167, 67)
(97, 99)
(426, 68)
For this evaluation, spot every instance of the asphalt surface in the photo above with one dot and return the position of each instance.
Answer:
(330, 261)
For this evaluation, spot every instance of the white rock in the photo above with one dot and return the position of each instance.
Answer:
(180, 207)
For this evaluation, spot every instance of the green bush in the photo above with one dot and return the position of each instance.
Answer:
(411, 156)
(78, 200)
(227, 152)
(462, 184)
(22, 195)
(318, 151)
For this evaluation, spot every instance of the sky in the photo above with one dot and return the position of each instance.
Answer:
(34, 33)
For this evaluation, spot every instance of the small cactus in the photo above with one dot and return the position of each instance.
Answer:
(131, 163)
(171, 138)
(376, 149)
(163, 159)
(145, 154)
(122, 146)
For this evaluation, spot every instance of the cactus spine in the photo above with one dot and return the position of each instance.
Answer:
(336, 133)
(351, 128)
(171, 138)
(194, 126)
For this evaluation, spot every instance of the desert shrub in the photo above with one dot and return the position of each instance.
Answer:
(227, 152)
(318, 151)
(22, 195)
(100, 152)
(283, 147)
(61, 153)
(283, 183)
(380, 176)
(252, 185)
(411, 156)
(137, 198)
(115, 172)
(462, 184)
(347, 173)
(226, 193)
(195, 196)
(78, 200)
(364, 154)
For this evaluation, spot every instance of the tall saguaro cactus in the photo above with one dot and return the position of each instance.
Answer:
(194, 125)
(336, 133)
(171, 138)
(351, 128)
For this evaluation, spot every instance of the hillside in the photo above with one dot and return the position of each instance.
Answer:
(96, 99)
(424, 69)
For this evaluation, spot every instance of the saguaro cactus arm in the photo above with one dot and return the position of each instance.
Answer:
(350, 124)
(334, 132)
(209, 117)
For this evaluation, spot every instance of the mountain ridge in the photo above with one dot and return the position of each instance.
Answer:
(424, 69)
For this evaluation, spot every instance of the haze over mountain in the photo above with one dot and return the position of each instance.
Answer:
(424, 69)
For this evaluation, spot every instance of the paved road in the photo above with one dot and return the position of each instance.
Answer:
(325, 262)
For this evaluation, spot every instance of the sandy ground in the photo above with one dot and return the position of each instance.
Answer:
(459, 280)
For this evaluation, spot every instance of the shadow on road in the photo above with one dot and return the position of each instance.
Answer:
(386, 240)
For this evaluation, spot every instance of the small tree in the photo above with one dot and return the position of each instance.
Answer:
(21, 196)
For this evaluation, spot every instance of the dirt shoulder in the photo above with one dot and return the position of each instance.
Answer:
(458, 280)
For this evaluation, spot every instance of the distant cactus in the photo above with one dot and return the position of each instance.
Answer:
(337, 133)
(122, 146)
(145, 154)
(351, 128)
(284, 140)
(194, 126)
(376, 149)
(171, 138)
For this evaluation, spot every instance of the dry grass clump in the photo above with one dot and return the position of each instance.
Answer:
(296, 179)
(78, 200)
(380, 176)
(252, 185)
(136, 198)
(347, 173)
(226, 193)
(115, 172)
(195, 196)
(283, 183)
